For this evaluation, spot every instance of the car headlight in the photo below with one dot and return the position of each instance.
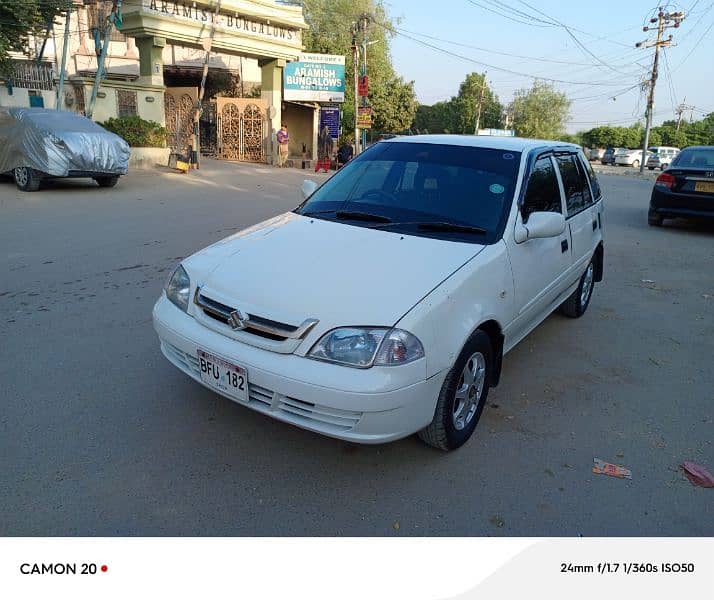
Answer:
(177, 288)
(364, 347)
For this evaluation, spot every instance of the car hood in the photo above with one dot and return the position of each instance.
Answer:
(291, 268)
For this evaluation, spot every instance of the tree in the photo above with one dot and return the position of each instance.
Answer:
(540, 112)
(458, 115)
(394, 104)
(466, 105)
(19, 21)
(330, 32)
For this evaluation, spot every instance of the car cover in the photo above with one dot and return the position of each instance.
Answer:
(58, 143)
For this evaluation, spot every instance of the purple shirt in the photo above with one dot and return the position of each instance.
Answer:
(283, 137)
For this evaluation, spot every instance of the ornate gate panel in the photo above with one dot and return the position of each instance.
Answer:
(179, 109)
(229, 131)
(242, 129)
(253, 134)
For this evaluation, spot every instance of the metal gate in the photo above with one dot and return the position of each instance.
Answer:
(179, 110)
(242, 129)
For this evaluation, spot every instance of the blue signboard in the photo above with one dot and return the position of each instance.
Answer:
(315, 78)
(330, 116)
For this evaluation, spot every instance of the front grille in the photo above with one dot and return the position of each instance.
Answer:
(286, 408)
(249, 323)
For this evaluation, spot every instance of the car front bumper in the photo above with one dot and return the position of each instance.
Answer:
(279, 388)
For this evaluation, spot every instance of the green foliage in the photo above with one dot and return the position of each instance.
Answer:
(137, 132)
(689, 134)
(458, 115)
(330, 31)
(540, 112)
(21, 18)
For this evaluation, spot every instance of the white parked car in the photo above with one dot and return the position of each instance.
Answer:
(662, 157)
(383, 305)
(631, 158)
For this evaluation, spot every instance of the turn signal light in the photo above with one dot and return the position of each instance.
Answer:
(665, 180)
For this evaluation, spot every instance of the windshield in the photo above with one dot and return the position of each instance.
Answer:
(421, 189)
(702, 158)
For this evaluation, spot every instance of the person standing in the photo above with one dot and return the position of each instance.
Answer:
(324, 150)
(345, 152)
(283, 142)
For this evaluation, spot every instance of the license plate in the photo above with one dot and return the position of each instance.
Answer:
(227, 378)
(704, 186)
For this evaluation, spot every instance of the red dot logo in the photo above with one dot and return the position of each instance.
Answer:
(104, 568)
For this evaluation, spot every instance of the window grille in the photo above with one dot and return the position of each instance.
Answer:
(33, 76)
(126, 103)
(97, 19)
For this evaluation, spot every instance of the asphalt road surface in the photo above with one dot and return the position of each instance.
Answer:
(100, 435)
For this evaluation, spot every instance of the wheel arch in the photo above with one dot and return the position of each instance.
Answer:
(493, 330)
(599, 261)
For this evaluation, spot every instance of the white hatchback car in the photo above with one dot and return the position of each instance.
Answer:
(383, 305)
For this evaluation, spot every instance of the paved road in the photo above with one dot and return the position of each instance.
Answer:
(99, 435)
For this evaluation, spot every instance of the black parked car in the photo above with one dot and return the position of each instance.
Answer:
(685, 188)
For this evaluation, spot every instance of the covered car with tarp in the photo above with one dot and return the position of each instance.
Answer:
(43, 143)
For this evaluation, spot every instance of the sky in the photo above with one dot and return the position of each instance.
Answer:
(607, 62)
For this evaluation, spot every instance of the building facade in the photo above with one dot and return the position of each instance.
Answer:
(154, 66)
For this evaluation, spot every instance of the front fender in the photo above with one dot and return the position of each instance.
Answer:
(481, 291)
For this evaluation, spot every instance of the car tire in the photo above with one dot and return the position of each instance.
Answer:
(108, 181)
(26, 179)
(636, 164)
(654, 219)
(461, 402)
(578, 302)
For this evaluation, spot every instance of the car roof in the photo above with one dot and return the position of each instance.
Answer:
(515, 144)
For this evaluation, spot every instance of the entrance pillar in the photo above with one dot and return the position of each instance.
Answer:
(151, 61)
(271, 91)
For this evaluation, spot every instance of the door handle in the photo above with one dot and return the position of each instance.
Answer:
(564, 245)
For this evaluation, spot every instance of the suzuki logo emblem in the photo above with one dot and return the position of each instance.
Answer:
(237, 321)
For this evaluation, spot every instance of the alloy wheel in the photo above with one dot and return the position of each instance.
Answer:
(469, 390)
(21, 176)
(587, 284)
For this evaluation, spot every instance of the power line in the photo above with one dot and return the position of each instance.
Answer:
(572, 35)
(491, 66)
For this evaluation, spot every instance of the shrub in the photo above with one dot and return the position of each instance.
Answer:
(138, 132)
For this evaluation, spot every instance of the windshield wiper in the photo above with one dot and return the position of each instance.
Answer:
(354, 215)
(455, 227)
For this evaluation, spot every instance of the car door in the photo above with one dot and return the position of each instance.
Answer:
(538, 265)
(581, 217)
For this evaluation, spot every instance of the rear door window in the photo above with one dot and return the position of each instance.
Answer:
(594, 183)
(542, 193)
(575, 184)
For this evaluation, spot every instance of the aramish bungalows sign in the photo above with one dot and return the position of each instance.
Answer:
(203, 14)
(315, 78)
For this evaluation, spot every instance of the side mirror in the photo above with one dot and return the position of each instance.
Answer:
(308, 188)
(540, 225)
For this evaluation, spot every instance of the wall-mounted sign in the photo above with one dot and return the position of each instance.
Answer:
(364, 117)
(330, 116)
(363, 86)
(202, 13)
(315, 78)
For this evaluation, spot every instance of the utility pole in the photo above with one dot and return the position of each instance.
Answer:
(680, 110)
(480, 103)
(364, 27)
(664, 20)
(355, 63)
(59, 102)
(202, 91)
(116, 8)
